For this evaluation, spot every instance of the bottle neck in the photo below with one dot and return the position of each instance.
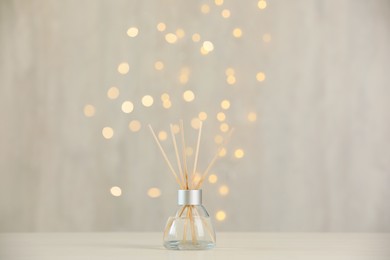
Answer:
(189, 197)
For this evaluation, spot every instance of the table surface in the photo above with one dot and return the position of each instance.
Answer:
(269, 246)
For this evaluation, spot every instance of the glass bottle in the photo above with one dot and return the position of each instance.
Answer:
(190, 228)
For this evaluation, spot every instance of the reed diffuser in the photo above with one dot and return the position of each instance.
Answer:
(191, 227)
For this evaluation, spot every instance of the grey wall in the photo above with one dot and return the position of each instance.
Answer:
(316, 159)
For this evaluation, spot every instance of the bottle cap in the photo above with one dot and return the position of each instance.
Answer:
(189, 197)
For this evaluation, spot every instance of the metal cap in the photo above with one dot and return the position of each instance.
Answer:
(189, 197)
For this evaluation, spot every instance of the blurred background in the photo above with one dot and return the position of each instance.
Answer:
(304, 84)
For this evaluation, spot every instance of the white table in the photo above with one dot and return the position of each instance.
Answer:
(267, 246)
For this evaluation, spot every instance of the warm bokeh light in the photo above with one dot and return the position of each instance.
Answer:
(161, 27)
(176, 129)
(107, 132)
(225, 13)
(134, 125)
(239, 153)
(171, 38)
(147, 100)
(183, 78)
(252, 117)
(203, 51)
(213, 178)
(158, 65)
(237, 32)
(184, 75)
(218, 139)
(127, 107)
(188, 96)
(132, 32)
(208, 46)
(202, 116)
(218, 2)
(164, 97)
(205, 9)
(223, 190)
(220, 215)
(116, 191)
(266, 37)
(260, 76)
(195, 123)
(113, 93)
(231, 79)
(167, 104)
(196, 37)
(162, 135)
(180, 33)
(196, 178)
(89, 110)
(262, 4)
(222, 152)
(221, 116)
(229, 72)
(224, 127)
(154, 193)
(225, 104)
(123, 68)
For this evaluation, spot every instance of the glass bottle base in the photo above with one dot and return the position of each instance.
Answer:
(189, 245)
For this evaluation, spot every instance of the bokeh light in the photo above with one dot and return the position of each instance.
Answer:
(132, 32)
(218, 139)
(221, 116)
(154, 192)
(229, 71)
(205, 9)
(225, 104)
(147, 101)
(195, 37)
(159, 65)
(195, 123)
(237, 33)
(266, 37)
(171, 38)
(162, 135)
(231, 80)
(262, 4)
(113, 93)
(116, 191)
(225, 13)
(213, 178)
(220, 215)
(180, 33)
(223, 190)
(239, 153)
(89, 110)
(218, 2)
(127, 107)
(202, 116)
(123, 68)
(134, 125)
(107, 132)
(161, 27)
(188, 96)
(208, 46)
(222, 152)
(260, 76)
(252, 117)
(224, 127)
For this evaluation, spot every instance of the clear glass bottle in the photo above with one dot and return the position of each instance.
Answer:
(191, 227)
